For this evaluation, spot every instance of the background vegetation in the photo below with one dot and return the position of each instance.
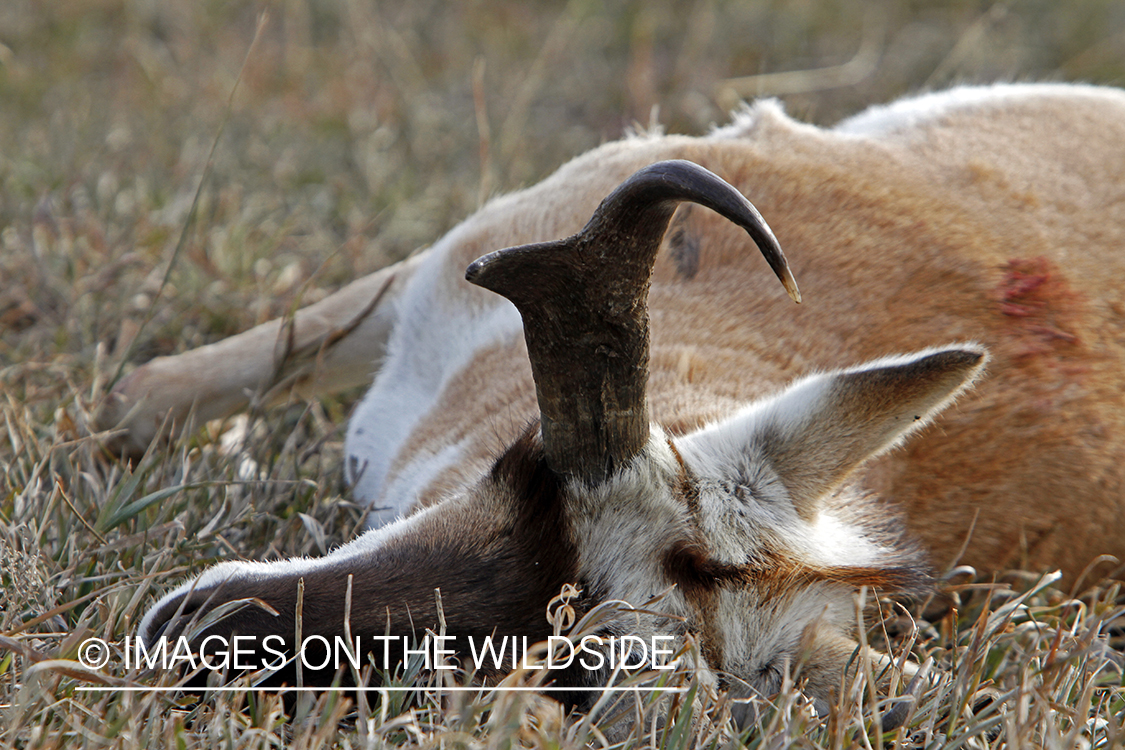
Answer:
(359, 132)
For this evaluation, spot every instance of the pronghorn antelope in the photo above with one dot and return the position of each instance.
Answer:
(743, 455)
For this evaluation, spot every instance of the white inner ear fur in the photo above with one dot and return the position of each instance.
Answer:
(837, 420)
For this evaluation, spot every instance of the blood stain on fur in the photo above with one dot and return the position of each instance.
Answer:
(1043, 308)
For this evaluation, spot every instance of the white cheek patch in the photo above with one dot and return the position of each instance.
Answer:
(623, 527)
(759, 636)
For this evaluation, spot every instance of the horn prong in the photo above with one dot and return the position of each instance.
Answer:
(585, 314)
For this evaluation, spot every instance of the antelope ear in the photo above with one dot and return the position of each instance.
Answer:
(821, 428)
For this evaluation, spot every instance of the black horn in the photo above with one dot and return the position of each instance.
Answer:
(585, 313)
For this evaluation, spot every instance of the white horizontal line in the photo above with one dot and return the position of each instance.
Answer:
(369, 689)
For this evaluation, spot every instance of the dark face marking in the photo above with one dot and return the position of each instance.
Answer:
(498, 563)
(773, 574)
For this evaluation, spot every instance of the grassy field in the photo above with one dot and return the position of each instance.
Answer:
(358, 132)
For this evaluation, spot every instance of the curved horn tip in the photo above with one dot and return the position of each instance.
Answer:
(729, 202)
(790, 285)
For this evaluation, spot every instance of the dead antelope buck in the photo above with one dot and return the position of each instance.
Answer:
(742, 455)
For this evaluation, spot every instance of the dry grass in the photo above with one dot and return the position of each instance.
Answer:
(359, 132)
